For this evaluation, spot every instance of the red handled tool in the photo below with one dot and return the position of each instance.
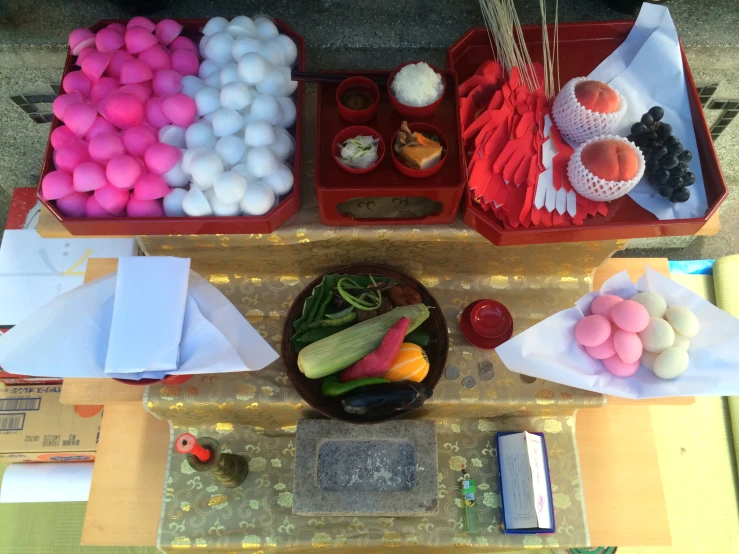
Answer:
(188, 444)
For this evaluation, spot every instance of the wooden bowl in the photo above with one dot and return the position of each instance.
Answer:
(310, 389)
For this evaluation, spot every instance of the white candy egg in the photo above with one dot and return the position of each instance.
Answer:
(683, 321)
(173, 203)
(191, 85)
(230, 148)
(658, 336)
(258, 199)
(242, 170)
(681, 342)
(266, 108)
(653, 302)
(244, 45)
(229, 74)
(215, 25)
(671, 363)
(281, 181)
(259, 133)
(207, 100)
(213, 80)
(195, 204)
(229, 187)
(261, 162)
(265, 28)
(218, 48)
(172, 135)
(253, 68)
(176, 177)
(189, 155)
(289, 112)
(284, 144)
(288, 48)
(207, 67)
(647, 359)
(205, 168)
(236, 96)
(272, 52)
(227, 121)
(200, 135)
(274, 84)
(242, 26)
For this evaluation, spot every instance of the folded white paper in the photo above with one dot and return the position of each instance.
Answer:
(64, 482)
(148, 314)
(548, 349)
(647, 69)
(68, 337)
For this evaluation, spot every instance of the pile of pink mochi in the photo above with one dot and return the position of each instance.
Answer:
(108, 157)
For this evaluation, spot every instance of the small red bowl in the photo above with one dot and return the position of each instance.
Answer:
(358, 116)
(413, 111)
(474, 338)
(351, 132)
(420, 173)
(490, 319)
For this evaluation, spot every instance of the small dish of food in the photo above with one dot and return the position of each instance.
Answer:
(418, 149)
(357, 98)
(415, 89)
(358, 149)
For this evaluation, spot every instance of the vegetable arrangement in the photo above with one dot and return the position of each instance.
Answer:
(361, 334)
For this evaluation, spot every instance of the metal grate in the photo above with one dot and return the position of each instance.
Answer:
(706, 92)
(37, 106)
(729, 110)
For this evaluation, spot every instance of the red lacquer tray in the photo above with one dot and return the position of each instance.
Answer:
(267, 223)
(334, 186)
(582, 47)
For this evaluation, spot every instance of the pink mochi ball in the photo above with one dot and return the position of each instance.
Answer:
(144, 208)
(109, 40)
(167, 81)
(63, 101)
(167, 30)
(135, 71)
(112, 199)
(138, 39)
(56, 184)
(156, 57)
(69, 156)
(95, 64)
(180, 109)
(100, 126)
(105, 146)
(141, 21)
(142, 91)
(82, 55)
(79, 39)
(94, 209)
(185, 62)
(183, 43)
(122, 172)
(88, 176)
(154, 113)
(616, 366)
(160, 158)
(61, 136)
(80, 117)
(102, 88)
(117, 59)
(123, 110)
(137, 139)
(76, 81)
(73, 205)
(150, 187)
(117, 27)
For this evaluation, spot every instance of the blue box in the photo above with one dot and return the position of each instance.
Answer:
(535, 530)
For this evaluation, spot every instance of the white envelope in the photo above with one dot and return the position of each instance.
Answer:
(548, 349)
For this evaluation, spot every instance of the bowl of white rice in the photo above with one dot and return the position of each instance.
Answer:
(416, 89)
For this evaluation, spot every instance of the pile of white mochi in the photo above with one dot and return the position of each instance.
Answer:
(235, 155)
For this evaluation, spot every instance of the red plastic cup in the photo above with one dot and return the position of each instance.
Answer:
(413, 111)
(351, 132)
(420, 173)
(358, 116)
(491, 319)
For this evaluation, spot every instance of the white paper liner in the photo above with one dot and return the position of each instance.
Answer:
(577, 123)
(594, 188)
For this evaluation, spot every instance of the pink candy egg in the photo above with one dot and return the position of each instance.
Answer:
(185, 62)
(592, 330)
(156, 57)
(602, 304)
(138, 39)
(56, 184)
(616, 366)
(154, 113)
(117, 59)
(72, 205)
(79, 39)
(101, 125)
(102, 88)
(108, 40)
(61, 136)
(602, 351)
(166, 81)
(180, 109)
(76, 81)
(150, 187)
(123, 110)
(80, 117)
(117, 27)
(68, 157)
(630, 316)
(135, 71)
(144, 208)
(93, 208)
(628, 346)
(142, 91)
(167, 30)
(95, 64)
(105, 146)
(183, 43)
(63, 101)
(141, 21)
(160, 158)
(88, 176)
(137, 139)
(122, 172)
(112, 199)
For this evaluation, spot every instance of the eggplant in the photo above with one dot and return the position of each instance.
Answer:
(387, 399)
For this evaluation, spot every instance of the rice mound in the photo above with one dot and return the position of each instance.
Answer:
(417, 85)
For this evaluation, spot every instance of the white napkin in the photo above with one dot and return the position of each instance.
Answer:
(647, 69)
(548, 349)
(68, 337)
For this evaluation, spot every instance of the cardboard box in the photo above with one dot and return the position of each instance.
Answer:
(36, 427)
